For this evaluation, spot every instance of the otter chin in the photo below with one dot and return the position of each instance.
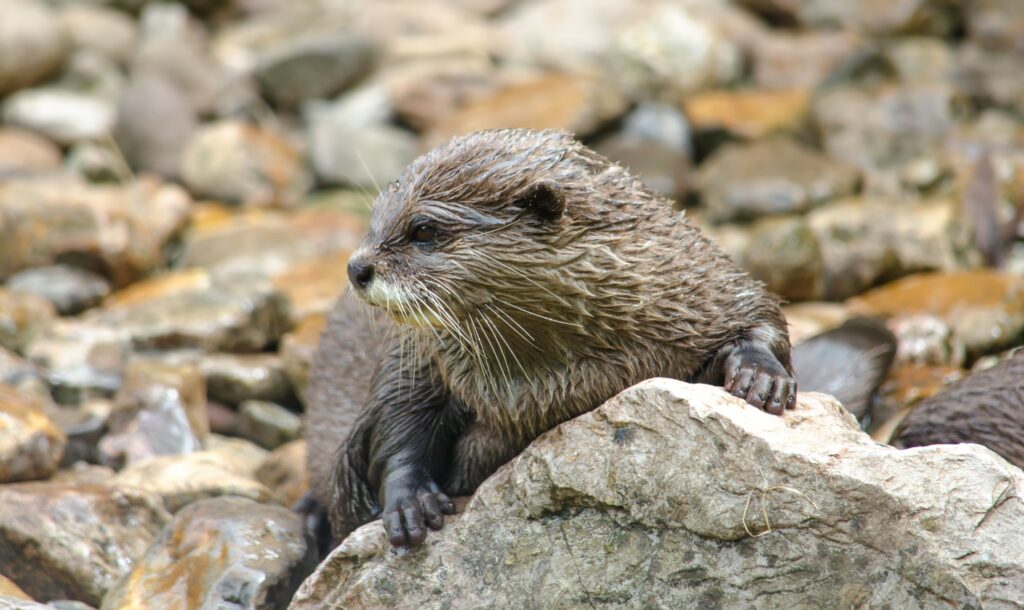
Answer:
(525, 280)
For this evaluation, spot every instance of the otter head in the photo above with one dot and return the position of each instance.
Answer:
(478, 238)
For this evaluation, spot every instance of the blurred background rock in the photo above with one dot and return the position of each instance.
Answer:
(181, 185)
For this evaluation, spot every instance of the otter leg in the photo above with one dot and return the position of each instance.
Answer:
(751, 371)
(478, 453)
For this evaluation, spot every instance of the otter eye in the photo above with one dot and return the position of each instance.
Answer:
(423, 233)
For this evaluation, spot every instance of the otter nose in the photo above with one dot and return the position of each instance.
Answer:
(360, 273)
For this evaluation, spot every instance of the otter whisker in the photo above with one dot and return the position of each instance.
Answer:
(575, 325)
(499, 337)
(515, 271)
(511, 322)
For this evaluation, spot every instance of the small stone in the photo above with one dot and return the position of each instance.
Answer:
(242, 164)
(107, 31)
(223, 419)
(989, 75)
(84, 426)
(13, 602)
(60, 540)
(143, 375)
(225, 552)
(183, 479)
(155, 121)
(748, 114)
(802, 60)
(80, 360)
(661, 169)
(366, 156)
(921, 60)
(771, 177)
(23, 153)
(14, 369)
(235, 378)
(300, 70)
(927, 339)
(784, 253)
(996, 24)
(97, 162)
(267, 424)
(426, 93)
(298, 348)
(31, 445)
(284, 472)
(22, 317)
(71, 290)
(33, 44)
(81, 473)
(241, 456)
(62, 115)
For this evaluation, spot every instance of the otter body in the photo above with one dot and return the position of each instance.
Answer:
(525, 280)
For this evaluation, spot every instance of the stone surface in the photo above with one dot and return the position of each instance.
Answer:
(155, 120)
(802, 60)
(284, 472)
(31, 445)
(71, 541)
(775, 176)
(183, 479)
(33, 44)
(267, 424)
(119, 231)
(62, 115)
(10, 590)
(312, 286)
(298, 348)
(24, 153)
(785, 254)
(678, 495)
(749, 113)
(874, 16)
(80, 360)
(70, 289)
(83, 425)
(22, 317)
(224, 552)
(310, 68)
(104, 30)
(239, 163)
(808, 319)
(234, 378)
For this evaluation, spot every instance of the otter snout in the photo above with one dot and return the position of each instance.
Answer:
(360, 272)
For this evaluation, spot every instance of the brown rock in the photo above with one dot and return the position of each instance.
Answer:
(23, 153)
(234, 378)
(32, 44)
(298, 348)
(224, 552)
(785, 254)
(242, 456)
(808, 319)
(120, 231)
(9, 589)
(107, 31)
(267, 424)
(801, 60)
(69, 289)
(71, 541)
(312, 286)
(423, 95)
(748, 113)
(284, 472)
(22, 317)
(31, 445)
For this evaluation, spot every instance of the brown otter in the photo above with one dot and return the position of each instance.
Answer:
(531, 279)
(986, 408)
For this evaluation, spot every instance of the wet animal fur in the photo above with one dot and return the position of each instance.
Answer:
(556, 281)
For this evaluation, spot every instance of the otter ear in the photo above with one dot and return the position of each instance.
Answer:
(546, 199)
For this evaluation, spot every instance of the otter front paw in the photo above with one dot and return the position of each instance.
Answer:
(755, 375)
(413, 502)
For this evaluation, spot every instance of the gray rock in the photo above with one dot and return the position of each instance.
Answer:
(996, 24)
(786, 59)
(33, 44)
(662, 169)
(154, 123)
(84, 426)
(10, 602)
(80, 360)
(303, 69)
(785, 254)
(677, 495)
(226, 552)
(242, 164)
(98, 163)
(62, 115)
(31, 445)
(937, 17)
(770, 177)
(60, 540)
(234, 378)
(107, 31)
(267, 424)
(71, 290)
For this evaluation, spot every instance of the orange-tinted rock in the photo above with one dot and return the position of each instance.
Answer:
(748, 113)
(284, 472)
(906, 385)
(160, 286)
(8, 588)
(298, 348)
(808, 319)
(23, 152)
(312, 286)
(22, 317)
(31, 445)
(223, 552)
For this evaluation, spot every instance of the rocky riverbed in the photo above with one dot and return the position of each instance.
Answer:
(181, 185)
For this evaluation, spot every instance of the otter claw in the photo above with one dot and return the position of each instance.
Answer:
(756, 376)
(410, 507)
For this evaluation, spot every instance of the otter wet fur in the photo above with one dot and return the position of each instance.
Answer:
(525, 280)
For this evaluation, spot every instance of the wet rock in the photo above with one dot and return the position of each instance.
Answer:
(104, 30)
(14, 369)
(142, 375)
(267, 424)
(10, 602)
(984, 308)
(572, 103)
(802, 60)
(84, 427)
(70, 289)
(298, 348)
(748, 114)
(808, 319)
(223, 552)
(313, 286)
(242, 164)
(22, 317)
(62, 115)
(771, 177)
(155, 120)
(80, 360)
(926, 338)
(907, 385)
(120, 231)
(183, 479)
(284, 472)
(97, 163)
(31, 445)
(937, 17)
(784, 253)
(244, 457)
(33, 44)
(61, 540)
(310, 68)
(234, 378)
(23, 153)
(238, 313)
(860, 250)
(757, 492)
(881, 130)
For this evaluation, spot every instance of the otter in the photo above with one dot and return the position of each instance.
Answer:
(986, 407)
(517, 279)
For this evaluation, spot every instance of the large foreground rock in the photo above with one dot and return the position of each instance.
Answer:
(674, 495)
